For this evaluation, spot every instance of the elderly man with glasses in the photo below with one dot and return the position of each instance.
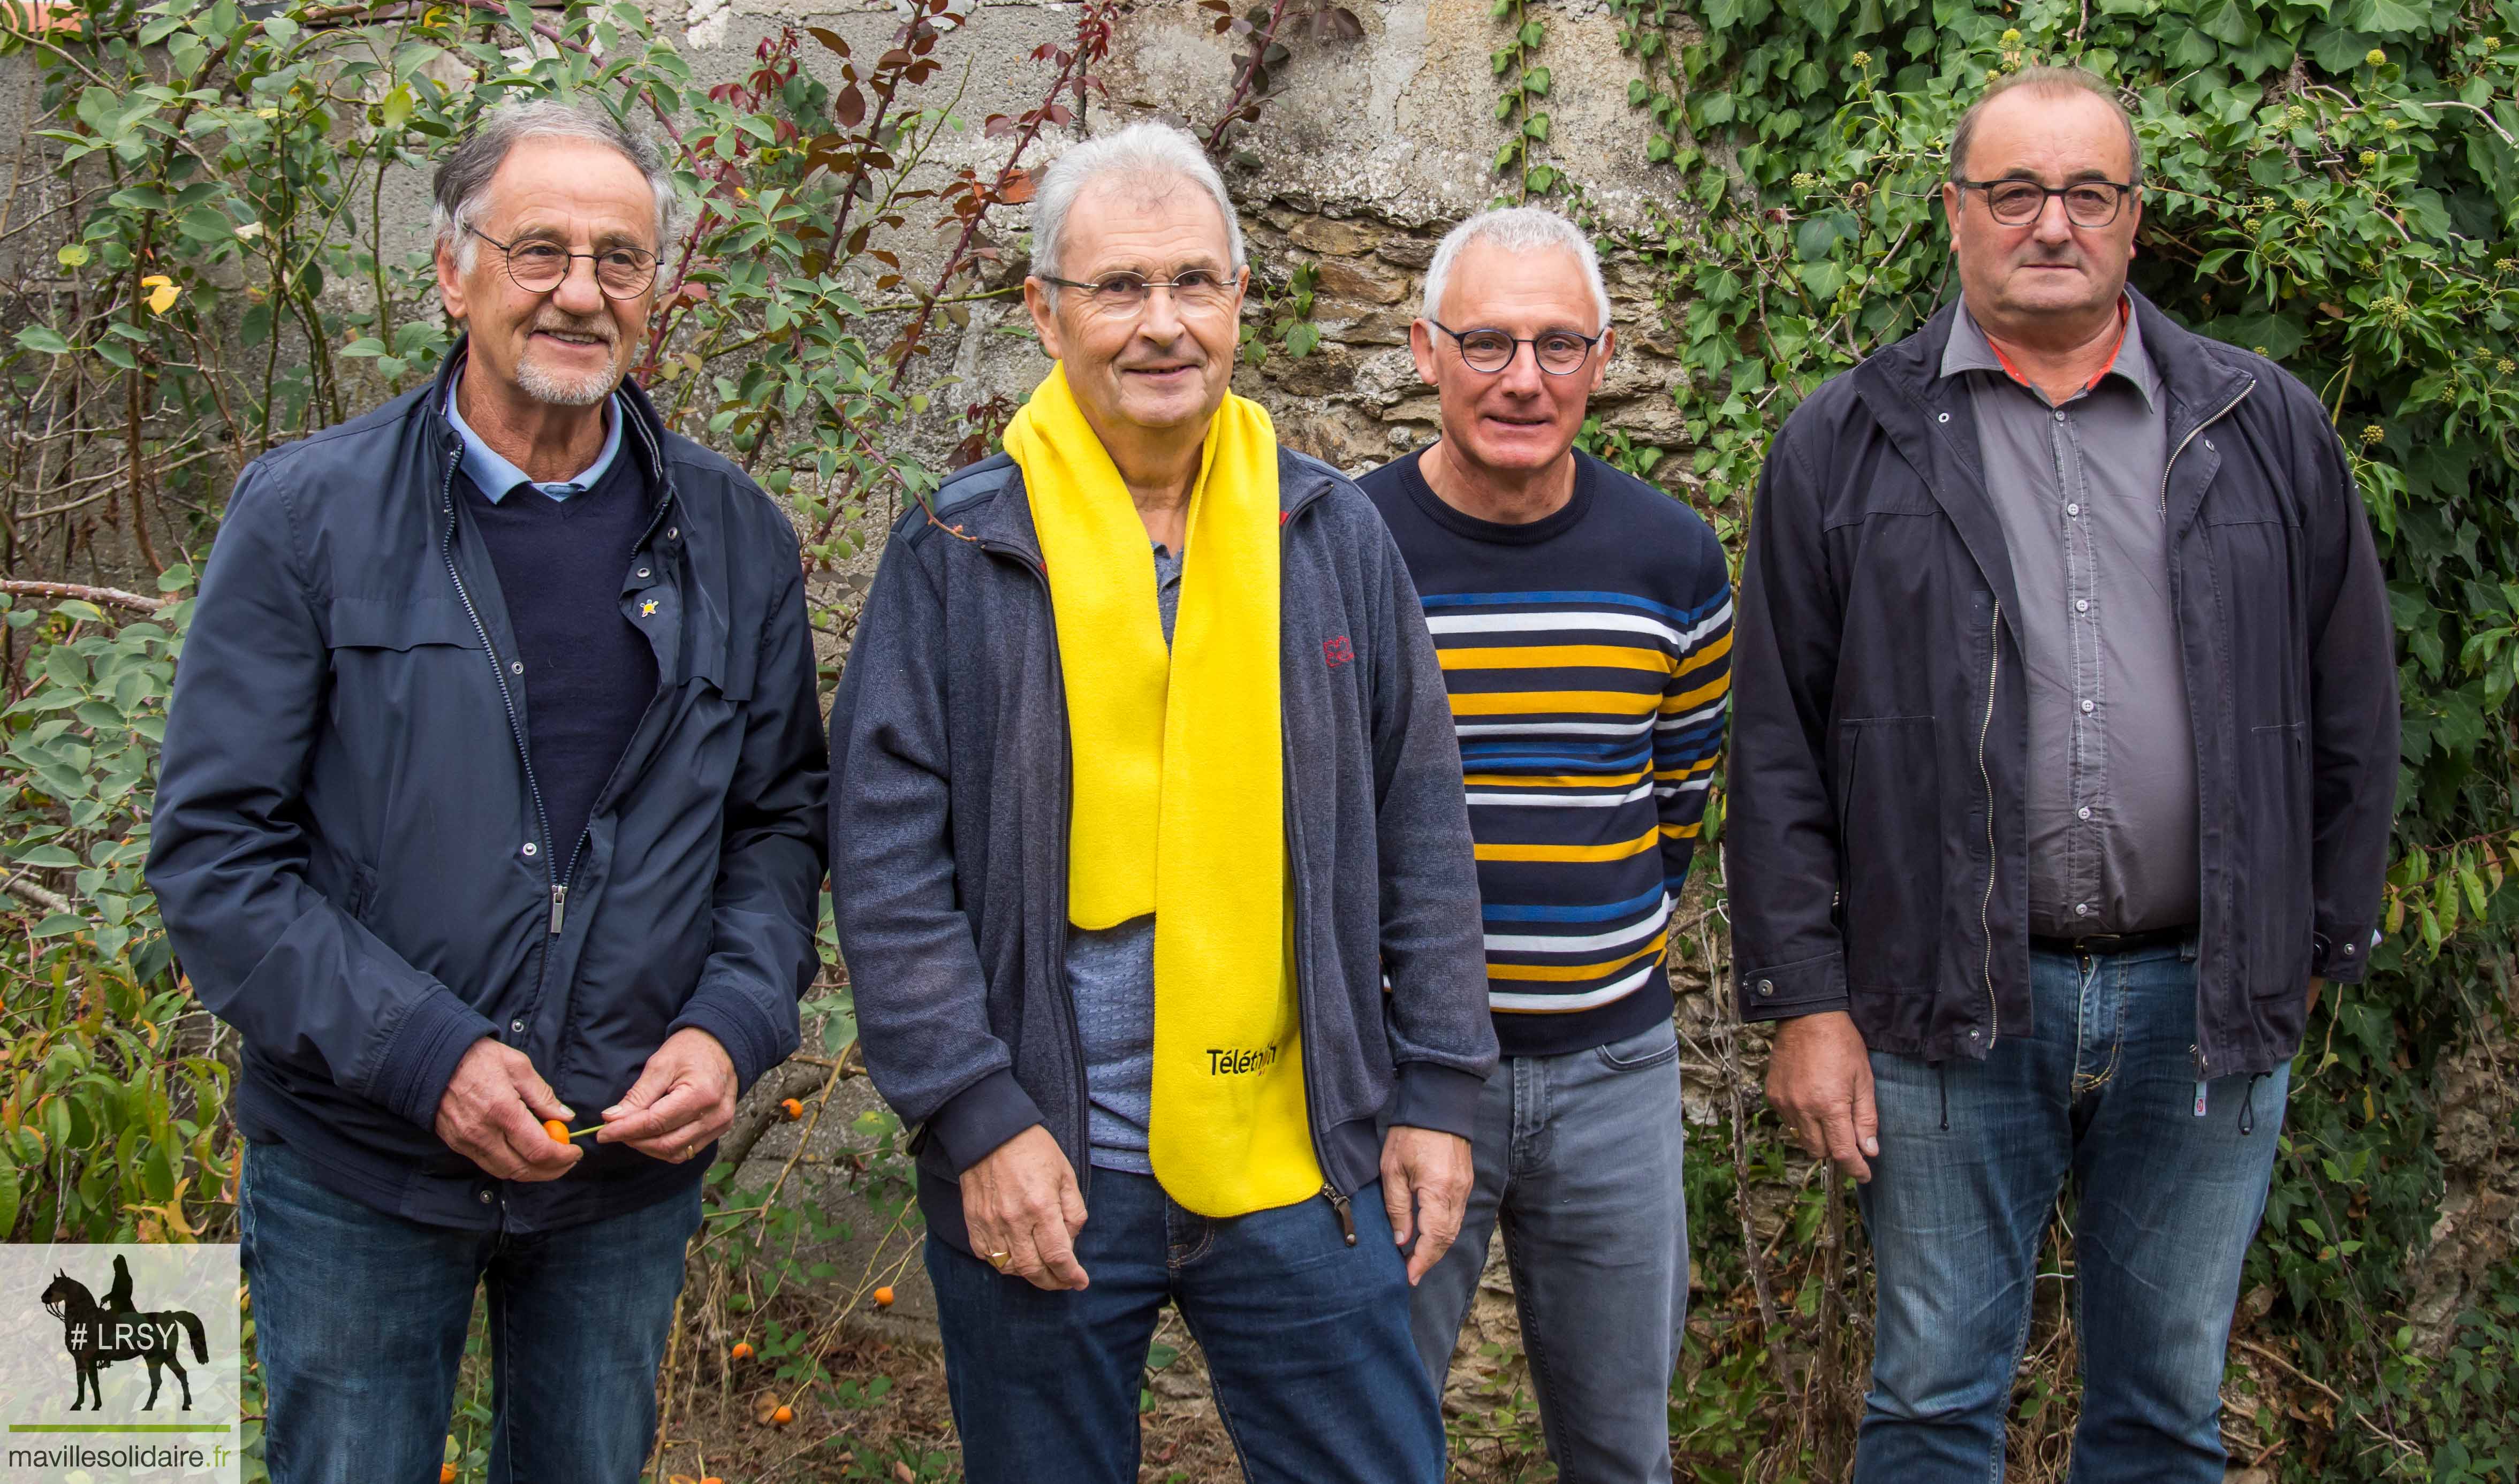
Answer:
(1582, 619)
(491, 795)
(1154, 880)
(2063, 772)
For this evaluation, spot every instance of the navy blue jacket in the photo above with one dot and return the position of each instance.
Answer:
(349, 848)
(949, 823)
(1879, 827)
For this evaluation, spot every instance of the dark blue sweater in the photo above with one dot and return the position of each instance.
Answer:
(590, 673)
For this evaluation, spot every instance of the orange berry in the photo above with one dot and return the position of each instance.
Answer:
(445, 1474)
(558, 1130)
(883, 1297)
(795, 1109)
(712, 1479)
(783, 1415)
(742, 1350)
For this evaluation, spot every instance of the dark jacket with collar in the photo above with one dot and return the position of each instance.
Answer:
(349, 850)
(949, 753)
(1879, 735)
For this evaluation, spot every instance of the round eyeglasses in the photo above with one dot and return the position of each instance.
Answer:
(2018, 203)
(536, 267)
(1559, 352)
(1192, 288)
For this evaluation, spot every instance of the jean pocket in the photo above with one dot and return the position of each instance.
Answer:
(1643, 1051)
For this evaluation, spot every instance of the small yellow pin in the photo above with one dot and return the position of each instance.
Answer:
(647, 609)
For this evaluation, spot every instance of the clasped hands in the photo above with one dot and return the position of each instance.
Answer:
(493, 1109)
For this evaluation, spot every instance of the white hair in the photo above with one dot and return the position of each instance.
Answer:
(1142, 152)
(1516, 229)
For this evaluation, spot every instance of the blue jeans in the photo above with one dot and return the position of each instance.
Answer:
(1306, 1338)
(1578, 1159)
(2103, 1090)
(360, 1317)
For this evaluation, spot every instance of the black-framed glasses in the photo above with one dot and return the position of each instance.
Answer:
(1193, 288)
(622, 273)
(1559, 352)
(2018, 203)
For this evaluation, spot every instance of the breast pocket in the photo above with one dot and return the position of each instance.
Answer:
(399, 665)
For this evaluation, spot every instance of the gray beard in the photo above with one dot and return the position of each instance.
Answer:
(567, 391)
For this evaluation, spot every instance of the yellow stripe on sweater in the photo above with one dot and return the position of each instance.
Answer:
(1707, 655)
(1558, 780)
(1691, 700)
(1557, 656)
(1564, 973)
(1504, 703)
(1620, 851)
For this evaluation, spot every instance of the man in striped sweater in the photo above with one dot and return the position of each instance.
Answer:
(1583, 621)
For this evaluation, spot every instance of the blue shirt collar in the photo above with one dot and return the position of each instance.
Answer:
(494, 476)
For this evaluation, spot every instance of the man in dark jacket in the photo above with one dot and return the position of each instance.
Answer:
(1141, 797)
(492, 794)
(2065, 749)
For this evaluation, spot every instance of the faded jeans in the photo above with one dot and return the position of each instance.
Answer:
(359, 1319)
(2102, 1092)
(1578, 1160)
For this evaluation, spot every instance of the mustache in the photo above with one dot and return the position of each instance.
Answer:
(598, 326)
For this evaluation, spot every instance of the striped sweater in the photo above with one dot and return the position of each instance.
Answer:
(1588, 658)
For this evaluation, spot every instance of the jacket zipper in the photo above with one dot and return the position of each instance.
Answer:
(1985, 906)
(1065, 822)
(2197, 1050)
(559, 886)
(1330, 1192)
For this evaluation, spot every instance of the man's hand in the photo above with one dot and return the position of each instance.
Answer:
(492, 1114)
(1426, 1179)
(1819, 1082)
(1023, 1209)
(682, 1100)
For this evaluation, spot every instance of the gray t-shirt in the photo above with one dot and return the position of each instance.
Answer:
(2077, 488)
(1111, 980)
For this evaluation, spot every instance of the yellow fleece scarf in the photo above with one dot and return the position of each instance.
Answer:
(1179, 787)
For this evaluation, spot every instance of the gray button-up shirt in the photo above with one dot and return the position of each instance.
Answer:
(2077, 488)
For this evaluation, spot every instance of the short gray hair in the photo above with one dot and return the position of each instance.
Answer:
(1142, 152)
(2046, 79)
(1516, 229)
(464, 175)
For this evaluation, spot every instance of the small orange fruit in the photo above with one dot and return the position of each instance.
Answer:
(883, 1297)
(742, 1350)
(783, 1415)
(712, 1479)
(558, 1130)
(795, 1109)
(445, 1474)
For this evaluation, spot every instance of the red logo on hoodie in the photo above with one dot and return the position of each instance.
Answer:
(1337, 651)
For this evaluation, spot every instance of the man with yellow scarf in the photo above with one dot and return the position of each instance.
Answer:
(1154, 878)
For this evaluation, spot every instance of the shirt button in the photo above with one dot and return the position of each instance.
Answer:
(2088, 706)
(532, 850)
(515, 666)
(2081, 605)
(2074, 510)
(2084, 811)
(2060, 415)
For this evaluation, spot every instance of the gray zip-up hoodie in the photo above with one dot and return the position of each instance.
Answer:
(950, 771)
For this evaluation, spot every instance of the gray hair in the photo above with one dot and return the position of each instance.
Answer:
(462, 184)
(1142, 151)
(2046, 79)
(1516, 229)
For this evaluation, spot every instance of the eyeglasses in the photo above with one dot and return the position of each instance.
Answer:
(1193, 289)
(622, 273)
(1559, 352)
(2018, 203)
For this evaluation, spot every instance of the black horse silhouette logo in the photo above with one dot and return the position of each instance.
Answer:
(96, 1335)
